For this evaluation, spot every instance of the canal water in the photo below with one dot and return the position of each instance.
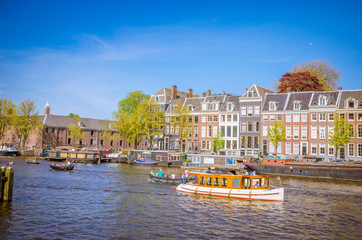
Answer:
(117, 201)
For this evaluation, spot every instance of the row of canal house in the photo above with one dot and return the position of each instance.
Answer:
(242, 121)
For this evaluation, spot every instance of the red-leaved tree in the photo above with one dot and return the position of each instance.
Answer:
(299, 82)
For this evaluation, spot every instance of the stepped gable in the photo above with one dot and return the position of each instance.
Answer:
(302, 97)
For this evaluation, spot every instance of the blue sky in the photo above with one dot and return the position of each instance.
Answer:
(85, 56)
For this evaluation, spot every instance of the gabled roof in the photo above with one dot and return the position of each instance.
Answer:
(231, 99)
(280, 98)
(56, 121)
(332, 98)
(258, 90)
(351, 94)
(303, 97)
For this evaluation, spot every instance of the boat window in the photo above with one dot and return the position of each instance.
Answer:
(246, 183)
(209, 181)
(216, 181)
(224, 182)
(202, 180)
(236, 183)
(256, 182)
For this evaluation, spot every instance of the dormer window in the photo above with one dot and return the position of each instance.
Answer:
(191, 107)
(351, 103)
(322, 101)
(81, 125)
(250, 93)
(229, 107)
(203, 106)
(297, 105)
(157, 99)
(273, 106)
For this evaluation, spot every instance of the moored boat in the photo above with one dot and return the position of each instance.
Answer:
(32, 161)
(9, 150)
(61, 167)
(145, 161)
(168, 180)
(233, 186)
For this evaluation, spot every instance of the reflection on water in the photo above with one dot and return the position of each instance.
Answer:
(117, 201)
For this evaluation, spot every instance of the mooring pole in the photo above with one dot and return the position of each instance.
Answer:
(7, 180)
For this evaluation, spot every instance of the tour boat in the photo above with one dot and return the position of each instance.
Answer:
(233, 186)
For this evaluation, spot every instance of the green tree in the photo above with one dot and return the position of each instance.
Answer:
(73, 115)
(27, 120)
(7, 115)
(130, 103)
(276, 135)
(122, 123)
(180, 121)
(75, 131)
(328, 75)
(218, 143)
(341, 133)
(150, 120)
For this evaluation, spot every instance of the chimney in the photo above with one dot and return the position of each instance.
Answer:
(208, 93)
(174, 92)
(47, 109)
(204, 94)
(189, 93)
(223, 92)
(339, 88)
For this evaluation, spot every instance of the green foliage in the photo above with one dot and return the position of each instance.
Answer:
(73, 115)
(7, 115)
(75, 131)
(341, 134)
(26, 121)
(130, 103)
(218, 144)
(107, 131)
(276, 134)
(328, 75)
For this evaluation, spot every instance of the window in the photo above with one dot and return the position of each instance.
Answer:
(236, 183)
(228, 144)
(224, 182)
(330, 131)
(288, 118)
(250, 142)
(196, 131)
(222, 131)
(330, 117)
(330, 150)
(322, 149)
(203, 131)
(296, 132)
(250, 126)
(208, 181)
(280, 117)
(314, 148)
(228, 132)
(322, 117)
(216, 181)
(250, 94)
(243, 111)
(228, 117)
(265, 130)
(360, 150)
(256, 111)
(265, 118)
(296, 148)
(359, 131)
(235, 144)
(322, 132)
(272, 117)
(250, 111)
(359, 117)
(297, 105)
(230, 161)
(273, 106)
(322, 101)
(313, 117)
(203, 119)
(229, 107)
(351, 133)
(351, 149)
(350, 116)
(235, 117)
(203, 106)
(288, 132)
(296, 117)
(222, 118)
(256, 142)
(313, 132)
(209, 131)
(243, 126)
(235, 131)
(257, 127)
(304, 132)
(214, 131)
(304, 117)
(209, 118)
(288, 148)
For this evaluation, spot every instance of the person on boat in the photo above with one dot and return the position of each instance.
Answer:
(253, 173)
(152, 174)
(160, 173)
(68, 164)
(186, 173)
(173, 176)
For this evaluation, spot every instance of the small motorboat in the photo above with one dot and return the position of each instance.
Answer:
(62, 167)
(145, 161)
(168, 180)
(32, 161)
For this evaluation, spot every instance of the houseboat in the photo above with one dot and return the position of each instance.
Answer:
(233, 186)
(75, 156)
(290, 167)
(9, 150)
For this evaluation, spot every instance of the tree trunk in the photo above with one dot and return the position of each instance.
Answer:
(336, 154)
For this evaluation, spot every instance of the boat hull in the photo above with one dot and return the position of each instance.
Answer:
(329, 171)
(61, 168)
(246, 194)
(9, 153)
(139, 162)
